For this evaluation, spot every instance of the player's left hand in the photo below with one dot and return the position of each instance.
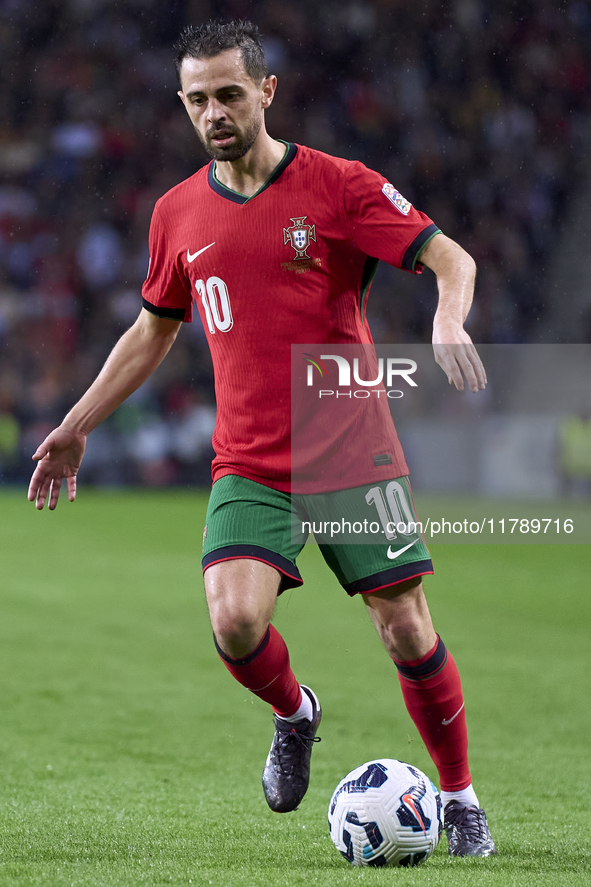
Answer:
(57, 458)
(458, 358)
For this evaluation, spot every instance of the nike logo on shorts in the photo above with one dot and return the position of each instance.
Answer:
(392, 555)
(445, 722)
(191, 258)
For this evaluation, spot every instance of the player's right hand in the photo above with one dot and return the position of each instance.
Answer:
(58, 457)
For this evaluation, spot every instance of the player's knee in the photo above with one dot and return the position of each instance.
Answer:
(240, 607)
(239, 628)
(403, 621)
(403, 637)
(406, 642)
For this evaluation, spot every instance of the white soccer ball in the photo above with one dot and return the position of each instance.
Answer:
(385, 812)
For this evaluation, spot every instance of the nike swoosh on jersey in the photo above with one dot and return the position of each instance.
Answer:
(394, 554)
(191, 258)
(445, 722)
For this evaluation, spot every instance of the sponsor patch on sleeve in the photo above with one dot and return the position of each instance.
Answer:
(401, 203)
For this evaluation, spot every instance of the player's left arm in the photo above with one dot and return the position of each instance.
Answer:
(456, 272)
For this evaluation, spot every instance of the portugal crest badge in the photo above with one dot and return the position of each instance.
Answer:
(299, 236)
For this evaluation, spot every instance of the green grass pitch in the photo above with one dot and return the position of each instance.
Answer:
(128, 755)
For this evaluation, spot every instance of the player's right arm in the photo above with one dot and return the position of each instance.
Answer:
(133, 359)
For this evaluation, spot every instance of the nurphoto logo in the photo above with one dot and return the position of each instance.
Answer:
(387, 371)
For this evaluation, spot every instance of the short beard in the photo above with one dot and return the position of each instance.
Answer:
(241, 145)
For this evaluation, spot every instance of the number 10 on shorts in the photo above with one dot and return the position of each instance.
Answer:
(394, 510)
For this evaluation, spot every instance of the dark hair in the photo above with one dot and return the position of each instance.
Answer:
(215, 36)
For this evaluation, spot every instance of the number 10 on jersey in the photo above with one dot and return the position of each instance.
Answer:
(216, 303)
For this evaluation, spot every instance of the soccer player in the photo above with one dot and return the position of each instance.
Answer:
(224, 239)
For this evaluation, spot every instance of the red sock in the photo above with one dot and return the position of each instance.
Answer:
(432, 691)
(266, 672)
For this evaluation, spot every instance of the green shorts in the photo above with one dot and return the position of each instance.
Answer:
(369, 536)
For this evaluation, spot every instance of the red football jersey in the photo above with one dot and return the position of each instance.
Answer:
(291, 264)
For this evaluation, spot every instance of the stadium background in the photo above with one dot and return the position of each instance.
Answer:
(479, 113)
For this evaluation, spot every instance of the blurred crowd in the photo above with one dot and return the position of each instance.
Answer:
(477, 112)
